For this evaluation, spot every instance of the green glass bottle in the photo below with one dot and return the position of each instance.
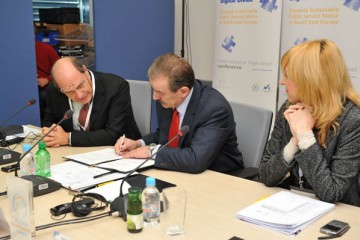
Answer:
(42, 159)
(135, 221)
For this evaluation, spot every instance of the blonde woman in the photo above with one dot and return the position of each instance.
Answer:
(316, 137)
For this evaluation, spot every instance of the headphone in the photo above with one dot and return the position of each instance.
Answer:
(84, 203)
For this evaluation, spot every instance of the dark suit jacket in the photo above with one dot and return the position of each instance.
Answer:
(111, 114)
(211, 142)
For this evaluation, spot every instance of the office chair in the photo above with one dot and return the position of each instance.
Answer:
(252, 130)
(140, 92)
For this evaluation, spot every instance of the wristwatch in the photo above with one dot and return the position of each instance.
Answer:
(150, 148)
(69, 139)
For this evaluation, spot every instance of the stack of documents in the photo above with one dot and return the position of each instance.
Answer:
(285, 212)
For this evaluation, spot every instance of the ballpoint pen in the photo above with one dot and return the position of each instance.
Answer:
(122, 140)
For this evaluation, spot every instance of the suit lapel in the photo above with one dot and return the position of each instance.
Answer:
(192, 108)
(98, 101)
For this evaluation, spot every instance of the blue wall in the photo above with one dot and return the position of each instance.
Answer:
(129, 35)
(17, 62)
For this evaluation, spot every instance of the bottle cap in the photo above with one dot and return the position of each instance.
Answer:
(42, 145)
(26, 147)
(150, 181)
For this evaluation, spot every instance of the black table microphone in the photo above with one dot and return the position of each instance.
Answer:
(43, 185)
(120, 203)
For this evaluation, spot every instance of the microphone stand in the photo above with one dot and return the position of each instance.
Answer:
(42, 185)
(30, 103)
(120, 203)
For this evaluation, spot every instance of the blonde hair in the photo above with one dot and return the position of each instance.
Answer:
(319, 71)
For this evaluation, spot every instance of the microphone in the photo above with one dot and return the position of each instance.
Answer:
(14, 129)
(120, 203)
(43, 185)
(29, 103)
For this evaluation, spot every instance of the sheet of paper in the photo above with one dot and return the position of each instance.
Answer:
(284, 202)
(126, 165)
(95, 157)
(111, 190)
(27, 131)
(108, 159)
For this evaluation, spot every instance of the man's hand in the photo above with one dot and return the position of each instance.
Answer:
(56, 138)
(42, 82)
(141, 152)
(122, 146)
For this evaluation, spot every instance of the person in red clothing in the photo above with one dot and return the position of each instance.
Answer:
(46, 56)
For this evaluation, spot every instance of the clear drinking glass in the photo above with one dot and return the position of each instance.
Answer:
(174, 199)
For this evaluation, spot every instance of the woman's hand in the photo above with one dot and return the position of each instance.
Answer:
(300, 119)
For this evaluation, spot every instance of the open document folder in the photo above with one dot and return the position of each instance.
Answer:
(90, 169)
(78, 177)
(285, 212)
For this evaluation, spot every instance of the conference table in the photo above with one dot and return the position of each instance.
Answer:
(213, 199)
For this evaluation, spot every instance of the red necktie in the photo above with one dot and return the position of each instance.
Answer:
(174, 129)
(82, 116)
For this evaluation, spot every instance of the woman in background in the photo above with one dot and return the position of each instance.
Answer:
(316, 136)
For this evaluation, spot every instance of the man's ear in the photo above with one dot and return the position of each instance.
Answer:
(184, 91)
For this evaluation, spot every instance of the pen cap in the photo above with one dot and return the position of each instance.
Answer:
(150, 181)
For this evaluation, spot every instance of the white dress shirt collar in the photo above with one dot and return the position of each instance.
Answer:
(183, 106)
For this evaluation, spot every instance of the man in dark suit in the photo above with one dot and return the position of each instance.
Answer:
(101, 104)
(211, 142)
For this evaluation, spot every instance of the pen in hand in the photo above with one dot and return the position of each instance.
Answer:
(122, 140)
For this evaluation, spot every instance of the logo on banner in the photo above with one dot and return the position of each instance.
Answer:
(353, 4)
(255, 87)
(269, 5)
(229, 44)
(267, 88)
(298, 41)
